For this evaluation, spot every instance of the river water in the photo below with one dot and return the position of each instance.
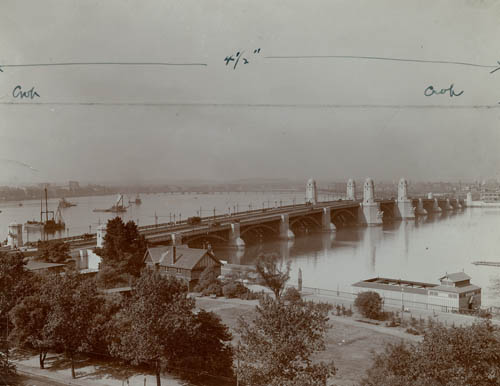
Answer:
(420, 250)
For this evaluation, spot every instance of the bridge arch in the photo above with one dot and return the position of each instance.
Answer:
(207, 236)
(342, 212)
(305, 218)
(259, 226)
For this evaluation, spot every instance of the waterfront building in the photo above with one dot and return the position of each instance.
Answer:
(182, 262)
(454, 293)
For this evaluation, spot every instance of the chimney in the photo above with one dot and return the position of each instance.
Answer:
(174, 254)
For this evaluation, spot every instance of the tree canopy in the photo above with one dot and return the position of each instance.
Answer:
(158, 328)
(455, 356)
(122, 253)
(273, 273)
(277, 345)
(53, 251)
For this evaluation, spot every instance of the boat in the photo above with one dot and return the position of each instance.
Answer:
(50, 224)
(118, 207)
(65, 204)
(488, 263)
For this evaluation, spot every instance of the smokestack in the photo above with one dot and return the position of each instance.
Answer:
(174, 254)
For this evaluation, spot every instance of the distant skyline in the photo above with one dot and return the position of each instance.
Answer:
(280, 118)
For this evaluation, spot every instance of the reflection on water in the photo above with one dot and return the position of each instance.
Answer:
(420, 250)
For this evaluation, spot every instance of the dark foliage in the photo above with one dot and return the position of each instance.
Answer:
(292, 294)
(276, 347)
(53, 251)
(448, 356)
(369, 303)
(122, 254)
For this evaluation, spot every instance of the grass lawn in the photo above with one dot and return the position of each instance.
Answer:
(349, 346)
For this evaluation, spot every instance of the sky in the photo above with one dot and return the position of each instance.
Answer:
(273, 117)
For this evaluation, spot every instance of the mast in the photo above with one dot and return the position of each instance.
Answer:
(46, 207)
(41, 207)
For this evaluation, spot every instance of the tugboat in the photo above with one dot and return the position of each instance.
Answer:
(65, 204)
(117, 208)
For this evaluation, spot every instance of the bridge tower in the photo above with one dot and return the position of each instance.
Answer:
(404, 208)
(351, 190)
(326, 220)
(311, 192)
(15, 235)
(369, 211)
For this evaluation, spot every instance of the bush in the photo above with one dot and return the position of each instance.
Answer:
(208, 282)
(213, 289)
(369, 304)
(292, 295)
(234, 289)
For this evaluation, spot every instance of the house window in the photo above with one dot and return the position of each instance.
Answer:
(452, 296)
(179, 270)
(433, 293)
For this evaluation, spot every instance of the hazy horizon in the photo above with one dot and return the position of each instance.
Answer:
(272, 118)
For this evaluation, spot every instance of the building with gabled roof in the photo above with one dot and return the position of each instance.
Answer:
(455, 292)
(182, 262)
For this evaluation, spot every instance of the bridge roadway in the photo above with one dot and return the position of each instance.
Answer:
(162, 233)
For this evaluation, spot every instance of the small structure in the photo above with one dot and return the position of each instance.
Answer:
(182, 262)
(454, 293)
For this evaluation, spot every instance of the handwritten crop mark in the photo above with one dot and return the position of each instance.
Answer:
(429, 91)
(239, 55)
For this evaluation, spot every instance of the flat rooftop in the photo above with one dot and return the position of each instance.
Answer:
(395, 285)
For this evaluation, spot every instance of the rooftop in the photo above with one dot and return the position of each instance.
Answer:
(185, 257)
(456, 277)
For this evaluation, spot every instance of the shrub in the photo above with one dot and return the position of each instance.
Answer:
(213, 289)
(369, 304)
(208, 279)
(234, 289)
(292, 295)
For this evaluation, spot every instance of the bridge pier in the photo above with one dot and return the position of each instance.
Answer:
(176, 239)
(234, 236)
(448, 205)
(468, 201)
(420, 211)
(285, 231)
(403, 208)
(435, 206)
(369, 211)
(101, 234)
(326, 221)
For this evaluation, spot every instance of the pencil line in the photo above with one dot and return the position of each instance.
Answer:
(382, 58)
(255, 105)
(102, 64)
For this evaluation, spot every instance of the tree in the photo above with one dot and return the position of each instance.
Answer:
(369, 303)
(277, 345)
(75, 302)
(15, 281)
(154, 324)
(209, 350)
(54, 251)
(447, 356)
(30, 320)
(209, 283)
(122, 254)
(272, 273)
(158, 328)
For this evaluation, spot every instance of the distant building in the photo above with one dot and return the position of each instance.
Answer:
(74, 186)
(182, 262)
(454, 293)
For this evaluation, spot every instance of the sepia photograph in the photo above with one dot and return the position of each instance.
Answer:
(249, 193)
